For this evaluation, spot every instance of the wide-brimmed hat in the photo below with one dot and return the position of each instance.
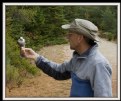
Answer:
(83, 27)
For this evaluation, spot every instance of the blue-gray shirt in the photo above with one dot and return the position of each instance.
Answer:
(91, 66)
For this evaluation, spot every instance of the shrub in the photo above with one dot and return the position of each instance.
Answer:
(109, 36)
(12, 74)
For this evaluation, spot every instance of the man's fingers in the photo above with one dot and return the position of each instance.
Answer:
(23, 50)
(27, 52)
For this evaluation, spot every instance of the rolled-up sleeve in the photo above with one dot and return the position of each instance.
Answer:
(55, 70)
(102, 80)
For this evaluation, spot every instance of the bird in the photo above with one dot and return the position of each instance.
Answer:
(21, 42)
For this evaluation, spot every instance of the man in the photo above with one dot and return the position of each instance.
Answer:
(89, 69)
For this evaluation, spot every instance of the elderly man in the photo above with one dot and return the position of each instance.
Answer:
(89, 70)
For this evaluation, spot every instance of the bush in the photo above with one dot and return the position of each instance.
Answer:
(109, 36)
(16, 67)
(12, 74)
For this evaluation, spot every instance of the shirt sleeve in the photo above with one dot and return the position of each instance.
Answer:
(102, 80)
(55, 70)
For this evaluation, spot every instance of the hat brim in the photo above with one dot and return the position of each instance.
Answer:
(66, 26)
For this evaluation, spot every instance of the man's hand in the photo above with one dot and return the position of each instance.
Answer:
(29, 53)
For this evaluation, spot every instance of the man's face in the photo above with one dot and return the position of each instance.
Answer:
(74, 40)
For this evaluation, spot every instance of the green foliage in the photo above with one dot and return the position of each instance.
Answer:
(14, 63)
(49, 20)
(108, 23)
(109, 36)
(12, 74)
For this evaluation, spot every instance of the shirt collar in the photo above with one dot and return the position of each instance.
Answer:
(87, 53)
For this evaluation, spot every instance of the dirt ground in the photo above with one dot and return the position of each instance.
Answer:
(45, 86)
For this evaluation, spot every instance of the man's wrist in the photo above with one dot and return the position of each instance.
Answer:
(36, 56)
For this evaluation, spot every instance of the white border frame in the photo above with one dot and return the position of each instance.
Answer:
(64, 4)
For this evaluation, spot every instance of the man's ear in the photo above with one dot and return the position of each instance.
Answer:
(80, 38)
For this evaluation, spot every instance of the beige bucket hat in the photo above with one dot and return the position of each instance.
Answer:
(84, 27)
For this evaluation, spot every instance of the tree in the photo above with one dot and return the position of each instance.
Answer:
(109, 20)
